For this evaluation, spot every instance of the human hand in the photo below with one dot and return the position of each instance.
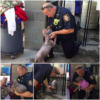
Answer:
(44, 30)
(16, 92)
(3, 81)
(78, 84)
(49, 88)
(53, 35)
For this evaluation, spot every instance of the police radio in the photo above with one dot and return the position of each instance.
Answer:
(56, 20)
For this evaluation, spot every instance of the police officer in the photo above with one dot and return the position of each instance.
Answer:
(26, 79)
(62, 22)
(41, 73)
(80, 71)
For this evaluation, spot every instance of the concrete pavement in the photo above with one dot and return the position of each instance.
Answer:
(89, 54)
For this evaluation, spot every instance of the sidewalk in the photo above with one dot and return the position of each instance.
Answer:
(89, 54)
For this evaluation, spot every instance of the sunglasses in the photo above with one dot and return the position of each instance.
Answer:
(46, 7)
(78, 68)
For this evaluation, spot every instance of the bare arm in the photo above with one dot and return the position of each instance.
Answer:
(2, 82)
(75, 83)
(44, 30)
(35, 83)
(46, 84)
(48, 27)
(25, 94)
(63, 31)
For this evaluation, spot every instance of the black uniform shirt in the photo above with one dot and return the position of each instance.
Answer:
(42, 71)
(26, 80)
(87, 76)
(66, 21)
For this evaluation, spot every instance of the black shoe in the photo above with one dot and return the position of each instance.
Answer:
(78, 43)
(76, 47)
(46, 58)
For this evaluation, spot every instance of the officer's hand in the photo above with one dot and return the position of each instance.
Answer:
(78, 84)
(49, 88)
(52, 35)
(16, 92)
(44, 30)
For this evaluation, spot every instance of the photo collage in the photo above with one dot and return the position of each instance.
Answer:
(49, 49)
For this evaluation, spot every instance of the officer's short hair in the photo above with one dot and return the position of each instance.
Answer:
(55, 70)
(49, 5)
(22, 66)
(79, 67)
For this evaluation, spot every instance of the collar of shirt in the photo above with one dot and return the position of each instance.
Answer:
(23, 75)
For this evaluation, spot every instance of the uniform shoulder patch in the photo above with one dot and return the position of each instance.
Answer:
(66, 18)
(91, 77)
(30, 83)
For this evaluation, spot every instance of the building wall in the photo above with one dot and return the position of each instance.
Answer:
(34, 25)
